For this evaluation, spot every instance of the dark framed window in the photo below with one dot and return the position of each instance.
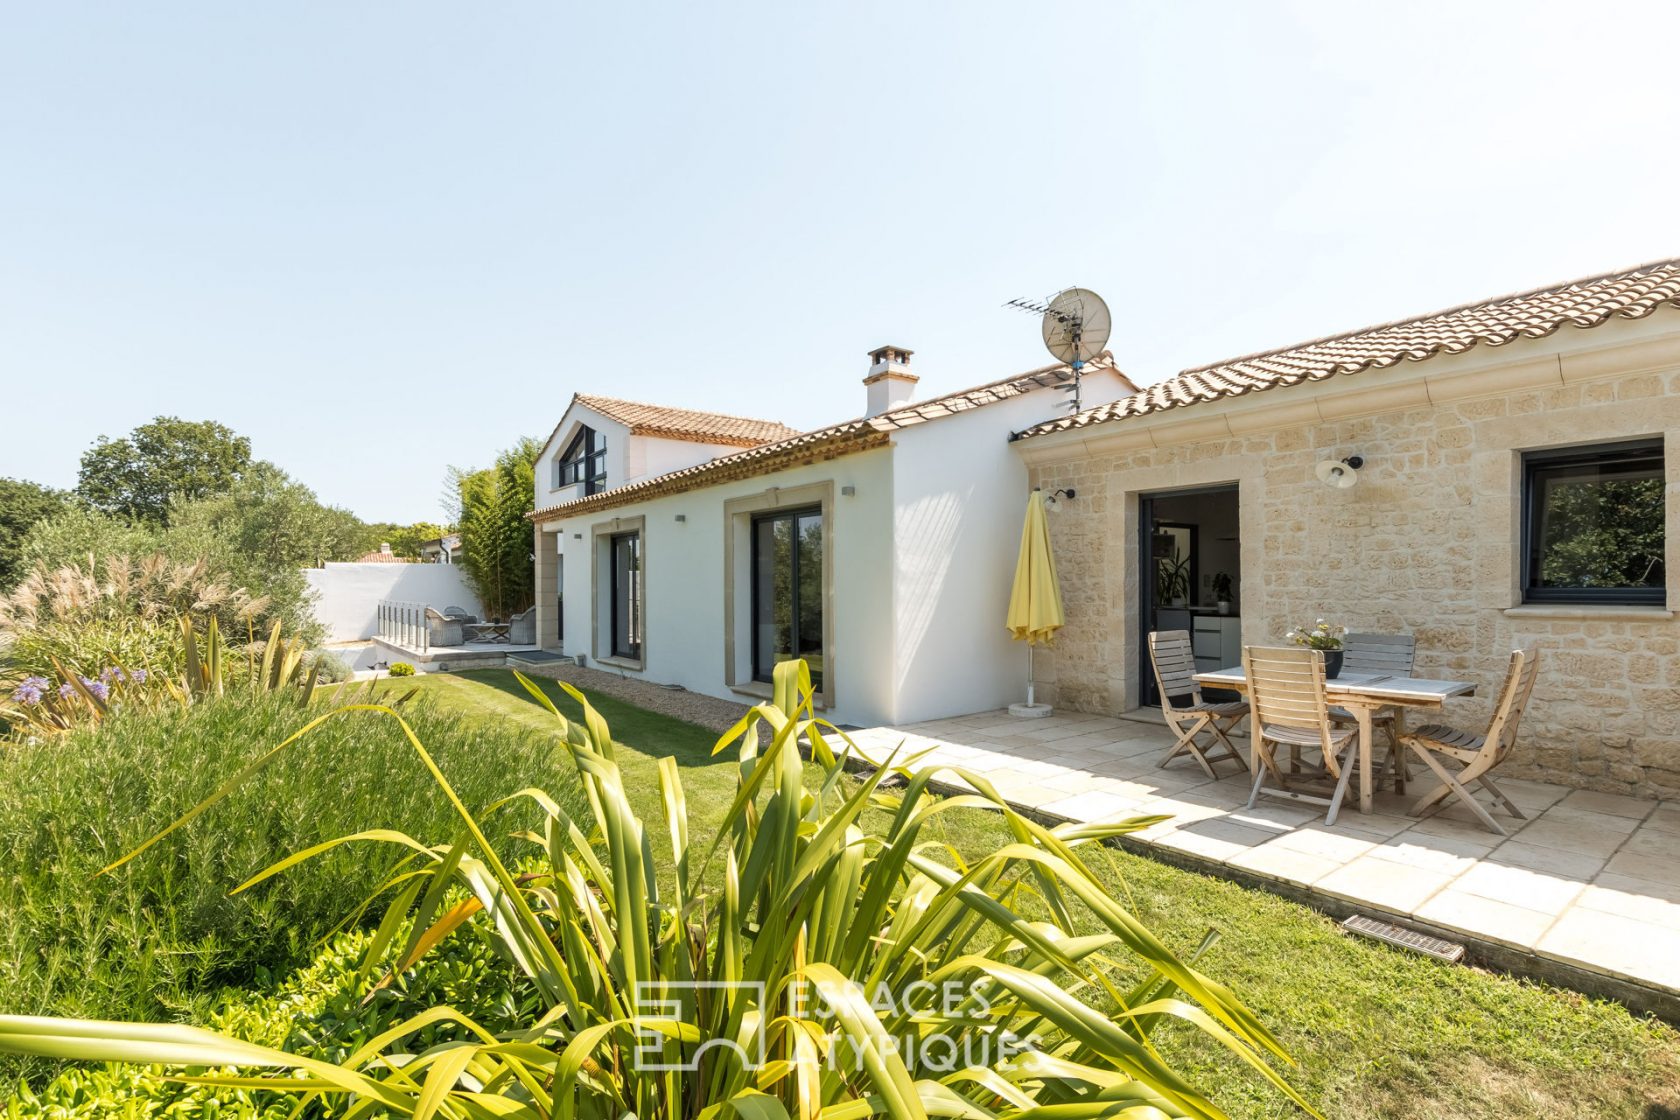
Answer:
(626, 559)
(1594, 528)
(585, 461)
(787, 591)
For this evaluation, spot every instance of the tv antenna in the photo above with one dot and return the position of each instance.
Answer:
(1076, 328)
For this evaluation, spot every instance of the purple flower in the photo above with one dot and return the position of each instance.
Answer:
(66, 690)
(28, 692)
(138, 676)
(111, 675)
(100, 690)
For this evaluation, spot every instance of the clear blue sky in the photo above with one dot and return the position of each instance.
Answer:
(380, 239)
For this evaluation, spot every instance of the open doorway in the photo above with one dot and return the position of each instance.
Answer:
(1190, 576)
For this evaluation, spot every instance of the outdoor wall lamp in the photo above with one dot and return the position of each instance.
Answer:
(1339, 473)
(1054, 501)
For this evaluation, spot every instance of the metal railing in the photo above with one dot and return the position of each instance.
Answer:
(405, 624)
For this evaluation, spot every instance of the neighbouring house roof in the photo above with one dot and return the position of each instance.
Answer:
(380, 558)
(824, 443)
(1628, 294)
(687, 423)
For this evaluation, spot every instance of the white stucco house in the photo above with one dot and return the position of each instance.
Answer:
(441, 550)
(696, 549)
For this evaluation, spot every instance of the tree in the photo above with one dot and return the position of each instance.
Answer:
(78, 531)
(166, 460)
(257, 536)
(273, 521)
(22, 505)
(1604, 533)
(495, 536)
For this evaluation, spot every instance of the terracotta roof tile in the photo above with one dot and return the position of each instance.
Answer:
(1629, 294)
(687, 423)
(823, 443)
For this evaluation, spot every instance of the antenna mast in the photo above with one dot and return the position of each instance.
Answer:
(1076, 328)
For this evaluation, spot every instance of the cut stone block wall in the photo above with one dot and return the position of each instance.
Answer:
(1426, 543)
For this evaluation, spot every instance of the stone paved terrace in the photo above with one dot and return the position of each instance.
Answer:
(1585, 893)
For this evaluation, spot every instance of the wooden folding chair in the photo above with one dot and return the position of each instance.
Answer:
(1393, 655)
(1476, 755)
(1175, 668)
(1286, 687)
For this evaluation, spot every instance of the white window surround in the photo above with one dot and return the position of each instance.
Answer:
(1608, 612)
(600, 590)
(737, 583)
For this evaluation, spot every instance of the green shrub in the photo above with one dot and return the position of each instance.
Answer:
(34, 706)
(887, 973)
(118, 611)
(318, 1011)
(401, 669)
(329, 667)
(149, 940)
(257, 538)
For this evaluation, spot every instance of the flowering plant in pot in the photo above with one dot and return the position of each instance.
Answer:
(1322, 636)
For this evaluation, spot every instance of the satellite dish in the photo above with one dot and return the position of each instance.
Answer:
(1339, 474)
(1076, 326)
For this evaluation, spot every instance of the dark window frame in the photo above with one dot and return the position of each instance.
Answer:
(761, 672)
(632, 652)
(1536, 465)
(583, 460)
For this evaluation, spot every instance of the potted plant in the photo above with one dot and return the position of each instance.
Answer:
(1172, 579)
(1222, 591)
(1322, 636)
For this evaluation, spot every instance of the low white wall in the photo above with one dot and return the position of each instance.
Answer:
(347, 595)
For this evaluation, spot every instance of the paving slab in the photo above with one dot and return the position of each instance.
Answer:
(1480, 916)
(1589, 882)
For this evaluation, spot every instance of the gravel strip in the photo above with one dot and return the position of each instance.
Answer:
(690, 707)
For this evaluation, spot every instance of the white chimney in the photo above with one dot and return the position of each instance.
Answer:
(890, 381)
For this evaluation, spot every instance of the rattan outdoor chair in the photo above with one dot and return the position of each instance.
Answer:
(443, 630)
(1175, 669)
(1476, 756)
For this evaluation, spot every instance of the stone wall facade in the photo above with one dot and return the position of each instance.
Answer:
(1427, 543)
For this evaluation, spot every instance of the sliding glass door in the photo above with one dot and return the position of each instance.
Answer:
(627, 596)
(787, 583)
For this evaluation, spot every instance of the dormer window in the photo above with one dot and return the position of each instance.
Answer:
(585, 461)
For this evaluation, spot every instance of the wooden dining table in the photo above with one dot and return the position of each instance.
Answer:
(1362, 694)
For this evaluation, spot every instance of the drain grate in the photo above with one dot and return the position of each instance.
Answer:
(1391, 934)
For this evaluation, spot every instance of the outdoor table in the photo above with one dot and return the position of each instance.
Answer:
(487, 631)
(1361, 694)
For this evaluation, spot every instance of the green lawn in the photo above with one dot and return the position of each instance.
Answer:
(1377, 1032)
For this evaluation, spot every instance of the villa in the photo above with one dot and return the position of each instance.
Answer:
(696, 549)
(1471, 430)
